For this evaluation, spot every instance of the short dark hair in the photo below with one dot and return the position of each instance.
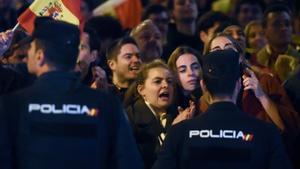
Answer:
(114, 48)
(221, 70)
(275, 8)
(94, 41)
(225, 24)
(153, 9)
(59, 41)
(252, 2)
(56, 58)
(106, 27)
(208, 20)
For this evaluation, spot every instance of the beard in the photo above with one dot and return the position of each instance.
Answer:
(152, 52)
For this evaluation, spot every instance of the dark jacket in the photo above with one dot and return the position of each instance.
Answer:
(14, 77)
(147, 128)
(60, 123)
(223, 137)
(175, 39)
(183, 100)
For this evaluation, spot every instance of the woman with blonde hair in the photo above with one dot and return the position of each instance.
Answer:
(149, 108)
(255, 37)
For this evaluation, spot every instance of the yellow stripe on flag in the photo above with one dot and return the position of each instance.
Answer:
(55, 9)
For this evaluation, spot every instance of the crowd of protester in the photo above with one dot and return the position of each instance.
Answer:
(155, 68)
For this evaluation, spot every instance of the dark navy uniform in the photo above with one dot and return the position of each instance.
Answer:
(59, 123)
(14, 77)
(223, 137)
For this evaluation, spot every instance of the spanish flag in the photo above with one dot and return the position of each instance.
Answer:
(65, 10)
(128, 12)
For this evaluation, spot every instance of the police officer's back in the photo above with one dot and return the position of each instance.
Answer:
(57, 122)
(223, 137)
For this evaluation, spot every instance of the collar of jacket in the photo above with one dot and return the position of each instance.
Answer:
(140, 106)
(56, 80)
(223, 108)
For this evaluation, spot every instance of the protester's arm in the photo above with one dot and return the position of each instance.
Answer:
(125, 154)
(185, 114)
(251, 83)
(5, 41)
(290, 117)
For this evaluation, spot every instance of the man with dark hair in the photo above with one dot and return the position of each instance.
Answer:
(160, 17)
(149, 39)
(108, 29)
(183, 31)
(278, 54)
(88, 53)
(208, 23)
(223, 137)
(58, 122)
(123, 59)
(248, 10)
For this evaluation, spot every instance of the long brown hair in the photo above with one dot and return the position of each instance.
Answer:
(177, 53)
(178, 93)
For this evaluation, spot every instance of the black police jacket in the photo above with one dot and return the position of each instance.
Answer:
(14, 77)
(59, 123)
(222, 138)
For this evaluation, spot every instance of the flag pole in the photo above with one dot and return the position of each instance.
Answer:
(15, 27)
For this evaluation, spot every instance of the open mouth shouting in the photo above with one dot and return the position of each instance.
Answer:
(164, 96)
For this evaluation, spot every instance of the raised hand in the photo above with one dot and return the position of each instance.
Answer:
(185, 114)
(5, 40)
(251, 82)
(99, 76)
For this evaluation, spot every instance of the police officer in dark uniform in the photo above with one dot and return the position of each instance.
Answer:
(57, 122)
(223, 137)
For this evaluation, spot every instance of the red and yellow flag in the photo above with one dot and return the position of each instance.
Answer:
(129, 13)
(65, 10)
